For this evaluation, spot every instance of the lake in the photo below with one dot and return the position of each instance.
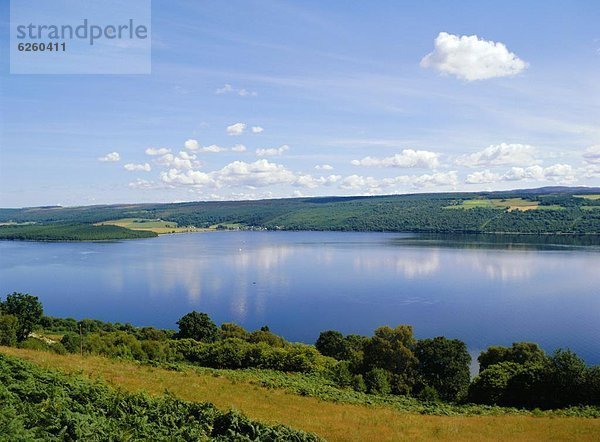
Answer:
(479, 289)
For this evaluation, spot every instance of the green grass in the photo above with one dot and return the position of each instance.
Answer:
(151, 225)
(270, 397)
(39, 404)
(588, 197)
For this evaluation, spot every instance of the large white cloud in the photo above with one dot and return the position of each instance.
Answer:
(137, 167)
(558, 173)
(271, 152)
(236, 129)
(374, 185)
(563, 173)
(592, 154)
(500, 154)
(407, 158)
(182, 160)
(112, 157)
(471, 58)
(260, 173)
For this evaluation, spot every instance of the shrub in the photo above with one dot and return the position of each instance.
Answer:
(34, 344)
(358, 383)
(377, 381)
(428, 394)
(71, 342)
(9, 325)
(231, 330)
(340, 374)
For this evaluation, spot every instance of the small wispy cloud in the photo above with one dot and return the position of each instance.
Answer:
(132, 167)
(271, 152)
(112, 157)
(229, 89)
(236, 129)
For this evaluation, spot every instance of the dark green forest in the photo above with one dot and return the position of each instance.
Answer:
(559, 210)
(70, 232)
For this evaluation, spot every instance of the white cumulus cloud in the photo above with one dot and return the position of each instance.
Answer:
(182, 160)
(236, 129)
(112, 157)
(238, 148)
(191, 144)
(498, 155)
(471, 58)
(257, 129)
(408, 158)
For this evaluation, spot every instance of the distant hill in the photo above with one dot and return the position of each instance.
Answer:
(546, 210)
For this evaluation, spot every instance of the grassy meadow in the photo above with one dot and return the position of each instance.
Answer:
(150, 225)
(509, 204)
(330, 420)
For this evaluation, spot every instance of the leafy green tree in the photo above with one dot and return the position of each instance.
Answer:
(332, 343)
(231, 330)
(592, 385)
(444, 365)
(520, 353)
(528, 386)
(28, 310)
(491, 385)
(9, 325)
(341, 374)
(377, 381)
(391, 350)
(198, 326)
(266, 336)
(566, 378)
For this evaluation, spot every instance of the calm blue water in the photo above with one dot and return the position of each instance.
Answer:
(300, 283)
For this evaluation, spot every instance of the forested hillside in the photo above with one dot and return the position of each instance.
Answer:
(541, 211)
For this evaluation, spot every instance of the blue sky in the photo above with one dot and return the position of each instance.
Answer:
(343, 98)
